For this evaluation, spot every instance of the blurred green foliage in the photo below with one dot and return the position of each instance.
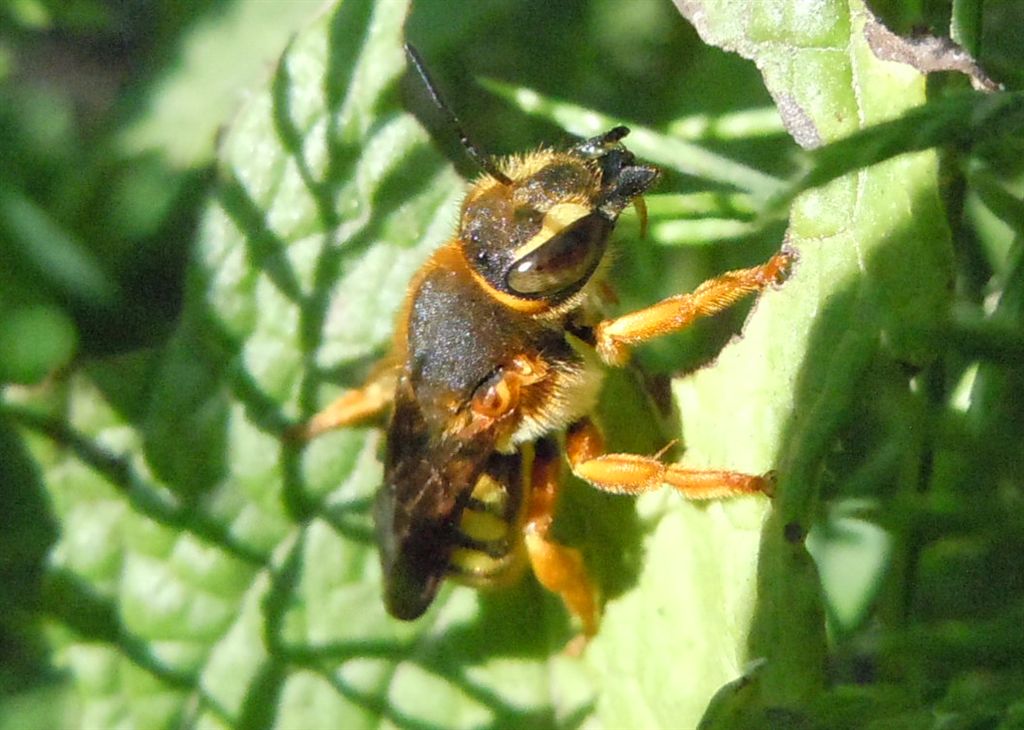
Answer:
(109, 113)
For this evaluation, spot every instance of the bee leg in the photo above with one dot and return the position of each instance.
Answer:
(353, 408)
(558, 568)
(635, 474)
(615, 336)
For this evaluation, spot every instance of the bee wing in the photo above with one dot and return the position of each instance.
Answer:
(427, 481)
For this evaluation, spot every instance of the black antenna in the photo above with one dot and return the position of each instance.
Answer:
(485, 161)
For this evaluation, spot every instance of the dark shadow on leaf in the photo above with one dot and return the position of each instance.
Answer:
(520, 620)
(28, 528)
(504, 714)
(293, 490)
(284, 582)
(291, 138)
(144, 497)
(262, 408)
(344, 53)
(377, 705)
(184, 431)
(351, 373)
(76, 604)
(353, 520)
(261, 697)
(126, 381)
(266, 249)
(359, 533)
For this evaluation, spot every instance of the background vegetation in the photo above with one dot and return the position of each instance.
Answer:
(199, 244)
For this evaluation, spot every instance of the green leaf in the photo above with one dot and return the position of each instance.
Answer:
(873, 275)
(211, 573)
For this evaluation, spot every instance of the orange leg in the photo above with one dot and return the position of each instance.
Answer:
(558, 568)
(353, 408)
(615, 336)
(634, 474)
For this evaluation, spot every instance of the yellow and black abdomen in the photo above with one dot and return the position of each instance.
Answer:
(488, 548)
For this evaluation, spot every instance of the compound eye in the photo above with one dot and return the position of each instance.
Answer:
(563, 263)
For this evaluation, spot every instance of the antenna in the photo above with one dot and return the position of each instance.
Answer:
(485, 161)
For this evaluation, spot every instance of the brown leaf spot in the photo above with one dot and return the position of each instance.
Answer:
(925, 53)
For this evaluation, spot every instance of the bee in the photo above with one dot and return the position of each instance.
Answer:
(497, 363)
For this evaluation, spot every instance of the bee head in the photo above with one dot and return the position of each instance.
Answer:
(541, 233)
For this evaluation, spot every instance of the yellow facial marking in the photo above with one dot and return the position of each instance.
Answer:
(555, 221)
